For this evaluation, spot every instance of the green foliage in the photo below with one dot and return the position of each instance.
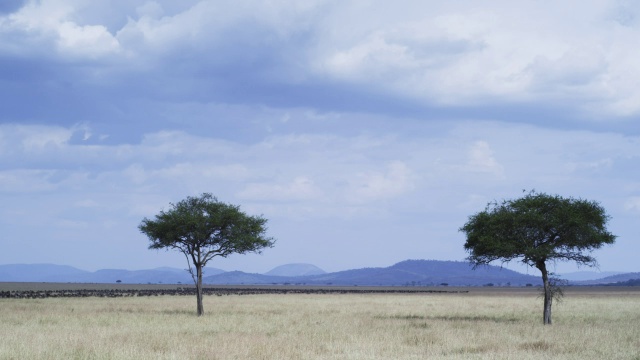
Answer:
(203, 227)
(537, 228)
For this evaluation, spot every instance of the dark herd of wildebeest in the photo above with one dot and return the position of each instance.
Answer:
(218, 291)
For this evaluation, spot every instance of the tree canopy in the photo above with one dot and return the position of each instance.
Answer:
(536, 229)
(203, 228)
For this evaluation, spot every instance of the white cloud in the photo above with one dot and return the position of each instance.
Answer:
(368, 187)
(165, 145)
(39, 138)
(300, 188)
(302, 181)
(150, 9)
(309, 167)
(197, 174)
(633, 204)
(481, 160)
(454, 53)
(26, 181)
(600, 165)
(470, 53)
(54, 19)
(208, 25)
(92, 40)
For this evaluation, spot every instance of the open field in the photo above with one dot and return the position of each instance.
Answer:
(590, 323)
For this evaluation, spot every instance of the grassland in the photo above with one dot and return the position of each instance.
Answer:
(482, 324)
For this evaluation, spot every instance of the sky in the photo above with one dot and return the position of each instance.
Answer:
(366, 132)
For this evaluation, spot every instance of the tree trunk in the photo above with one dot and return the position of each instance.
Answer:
(199, 289)
(548, 296)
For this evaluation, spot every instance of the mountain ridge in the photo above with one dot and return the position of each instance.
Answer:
(587, 275)
(295, 269)
(613, 279)
(404, 273)
(66, 273)
(408, 272)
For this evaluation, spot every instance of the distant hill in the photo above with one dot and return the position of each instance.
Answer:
(610, 279)
(410, 272)
(429, 272)
(39, 273)
(631, 282)
(296, 270)
(587, 275)
(405, 273)
(63, 273)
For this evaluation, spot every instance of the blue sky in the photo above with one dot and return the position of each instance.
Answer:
(366, 132)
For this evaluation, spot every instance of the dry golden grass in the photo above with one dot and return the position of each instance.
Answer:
(477, 325)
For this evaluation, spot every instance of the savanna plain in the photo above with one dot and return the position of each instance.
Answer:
(590, 323)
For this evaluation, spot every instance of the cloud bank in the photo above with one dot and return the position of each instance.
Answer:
(282, 52)
(408, 191)
(366, 132)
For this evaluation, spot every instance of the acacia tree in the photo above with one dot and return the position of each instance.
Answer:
(538, 229)
(202, 228)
